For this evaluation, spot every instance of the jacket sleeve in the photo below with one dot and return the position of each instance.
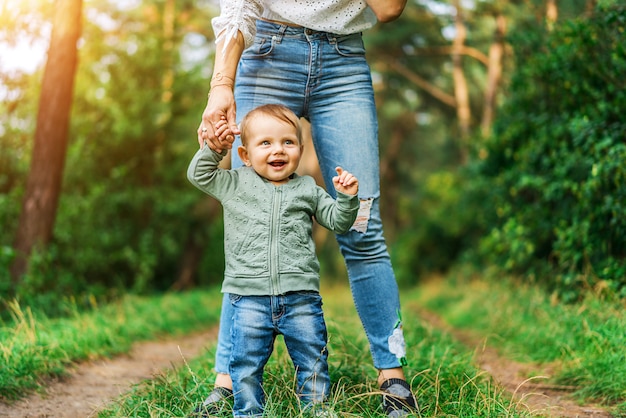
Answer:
(336, 215)
(237, 15)
(203, 172)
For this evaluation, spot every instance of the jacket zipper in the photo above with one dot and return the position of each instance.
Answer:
(274, 238)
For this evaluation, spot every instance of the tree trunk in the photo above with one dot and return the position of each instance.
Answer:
(43, 186)
(494, 74)
(461, 91)
(167, 81)
(389, 177)
(552, 13)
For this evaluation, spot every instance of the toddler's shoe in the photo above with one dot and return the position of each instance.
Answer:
(217, 404)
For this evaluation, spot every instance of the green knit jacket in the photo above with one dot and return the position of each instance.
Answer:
(268, 242)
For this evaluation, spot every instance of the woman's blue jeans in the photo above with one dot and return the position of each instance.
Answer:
(326, 79)
(257, 320)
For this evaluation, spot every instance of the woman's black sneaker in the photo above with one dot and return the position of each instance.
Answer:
(398, 400)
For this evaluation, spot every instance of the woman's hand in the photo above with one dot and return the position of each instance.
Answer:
(220, 107)
(387, 10)
(221, 101)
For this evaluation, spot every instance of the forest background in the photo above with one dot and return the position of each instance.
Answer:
(502, 143)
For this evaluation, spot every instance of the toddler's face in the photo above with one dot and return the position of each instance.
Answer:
(272, 149)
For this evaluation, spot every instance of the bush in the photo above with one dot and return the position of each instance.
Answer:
(557, 156)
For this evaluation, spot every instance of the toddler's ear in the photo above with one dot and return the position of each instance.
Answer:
(243, 154)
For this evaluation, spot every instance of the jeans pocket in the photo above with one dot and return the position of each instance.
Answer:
(350, 45)
(234, 298)
(262, 47)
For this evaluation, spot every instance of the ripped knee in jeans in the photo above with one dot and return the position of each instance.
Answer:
(363, 216)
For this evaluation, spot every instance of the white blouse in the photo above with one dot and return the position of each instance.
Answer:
(342, 17)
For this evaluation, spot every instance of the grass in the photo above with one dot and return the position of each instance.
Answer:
(586, 341)
(440, 371)
(34, 348)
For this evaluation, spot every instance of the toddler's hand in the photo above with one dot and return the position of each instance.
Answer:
(345, 182)
(222, 129)
(221, 132)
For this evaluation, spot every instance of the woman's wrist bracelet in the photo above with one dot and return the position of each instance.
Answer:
(229, 85)
(220, 79)
(222, 84)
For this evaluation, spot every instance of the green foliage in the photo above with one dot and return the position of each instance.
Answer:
(445, 219)
(127, 215)
(556, 160)
(550, 192)
(132, 242)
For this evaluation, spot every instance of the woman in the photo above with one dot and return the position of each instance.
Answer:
(309, 56)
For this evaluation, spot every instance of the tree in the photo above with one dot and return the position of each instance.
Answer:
(461, 92)
(494, 73)
(43, 186)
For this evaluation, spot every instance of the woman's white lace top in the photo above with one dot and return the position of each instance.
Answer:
(336, 16)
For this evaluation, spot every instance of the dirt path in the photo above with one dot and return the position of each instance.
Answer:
(535, 395)
(92, 385)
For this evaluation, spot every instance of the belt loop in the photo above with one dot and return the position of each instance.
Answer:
(281, 33)
(332, 39)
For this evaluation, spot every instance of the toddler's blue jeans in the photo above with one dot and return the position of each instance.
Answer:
(257, 320)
